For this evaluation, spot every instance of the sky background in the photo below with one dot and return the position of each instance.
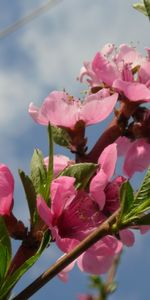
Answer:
(46, 55)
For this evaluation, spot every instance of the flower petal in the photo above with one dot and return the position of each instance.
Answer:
(96, 107)
(123, 145)
(6, 190)
(60, 163)
(36, 115)
(54, 108)
(106, 71)
(44, 211)
(62, 192)
(97, 187)
(134, 91)
(127, 237)
(92, 264)
(137, 158)
(107, 160)
(129, 55)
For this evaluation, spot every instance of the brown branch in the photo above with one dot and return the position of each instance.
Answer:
(109, 136)
(103, 230)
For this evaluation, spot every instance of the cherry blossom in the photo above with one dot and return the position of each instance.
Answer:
(93, 109)
(72, 216)
(125, 71)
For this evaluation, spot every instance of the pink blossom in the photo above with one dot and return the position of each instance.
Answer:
(60, 163)
(72, 216)
(93, 109)
(6, 190)
(137, 157)
(126, 71)
(107, 162)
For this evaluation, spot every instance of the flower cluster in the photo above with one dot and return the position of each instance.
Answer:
(76, 213)
(125, 71)
(69, 204)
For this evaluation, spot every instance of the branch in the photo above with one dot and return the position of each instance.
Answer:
(103, 230)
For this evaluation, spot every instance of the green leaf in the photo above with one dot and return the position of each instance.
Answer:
(141, 8)
(29, 192)
(141, 202)
(142, 197)
(5, 249)
(38, 171)
(126, 200)
(82, 172)
(147, 7)
(3, 262)
(61, 137)
(13, 279)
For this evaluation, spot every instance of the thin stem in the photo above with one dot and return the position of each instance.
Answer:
(103, 230)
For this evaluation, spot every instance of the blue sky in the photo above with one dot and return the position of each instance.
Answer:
(45, 55)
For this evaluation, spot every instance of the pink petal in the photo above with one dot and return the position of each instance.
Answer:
(127, 237)
(62, 192)
(106, 71)
(129, 55)
(94, 264)
(60, 163)
(107, 160)
(134, 91)
(64, 244)
(96, 108)
(144, 229)
(44, 211)
(137, 158)
(6, 190)
(107, 246)
(36, 115)
(97, 187)
(107, 49)
(59, 104)
(54, 108)
(123, 145)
